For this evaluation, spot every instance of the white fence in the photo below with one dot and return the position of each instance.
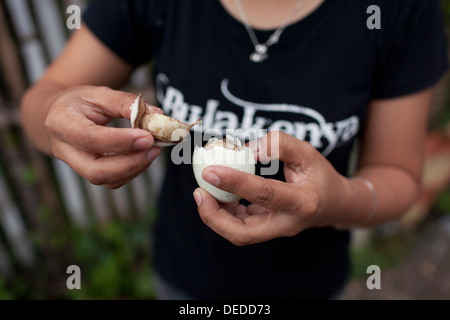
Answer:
(32, 34)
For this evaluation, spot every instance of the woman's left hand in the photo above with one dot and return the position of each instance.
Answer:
(312, 190)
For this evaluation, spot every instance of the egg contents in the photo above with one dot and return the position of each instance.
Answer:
(228, 152)
(166, 131)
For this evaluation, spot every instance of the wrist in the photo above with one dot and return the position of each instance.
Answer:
(34, 109)
(353, 202)
(367, 219)
(337, 203)
(361, 203)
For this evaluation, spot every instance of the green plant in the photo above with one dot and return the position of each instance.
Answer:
(115, 261)
(446, 10)
(442, 204)
(5, 294)
(385, 251)
(114, 258)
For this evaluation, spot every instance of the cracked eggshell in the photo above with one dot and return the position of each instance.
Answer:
(166, 130)
(135, 111)
(241, 158)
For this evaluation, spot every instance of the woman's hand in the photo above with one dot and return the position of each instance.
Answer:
(312, 189)
(76, 124)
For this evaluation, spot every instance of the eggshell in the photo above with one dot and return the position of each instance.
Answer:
(166, 130)
(243, 160)
(134, 111)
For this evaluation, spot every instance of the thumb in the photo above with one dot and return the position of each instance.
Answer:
(114, 103)
(278, 145)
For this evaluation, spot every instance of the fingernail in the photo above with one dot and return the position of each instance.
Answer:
(153, 154)
(143, 144)
(198, 197)
(211, 178)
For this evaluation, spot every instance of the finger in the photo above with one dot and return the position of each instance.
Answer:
(152, 155)
(255, 209)
(272, 194)
(85, 135)
(106, 170)
(277, 145)
(77, 123)
(250, 230)
(240, 212)
(115, 104)
(134, 165)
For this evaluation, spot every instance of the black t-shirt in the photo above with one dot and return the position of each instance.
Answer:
(316, 86)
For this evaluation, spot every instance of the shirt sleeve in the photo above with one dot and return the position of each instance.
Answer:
(122, 27)
(415, 54)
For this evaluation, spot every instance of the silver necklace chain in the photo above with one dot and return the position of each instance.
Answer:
(261, 49)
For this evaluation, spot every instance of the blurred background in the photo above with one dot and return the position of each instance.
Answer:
(50, 218)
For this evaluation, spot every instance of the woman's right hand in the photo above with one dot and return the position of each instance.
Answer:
(76, 123)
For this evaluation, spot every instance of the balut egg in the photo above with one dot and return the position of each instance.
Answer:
(228, 152)
(166, 131)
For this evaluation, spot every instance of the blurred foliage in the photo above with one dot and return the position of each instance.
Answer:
(446, 9)
(443, 118)
(442, 205)
(384, 250)
(114, 258)
(390, 250)
(115, 261)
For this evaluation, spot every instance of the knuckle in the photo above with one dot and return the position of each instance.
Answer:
(114, 186)
(311, 205)
(95, 177)
(136, 168)
(307, 148)
(205, 217)
(293, 229)
(292, 233)
(48, 123)
(241, 240)
(57, 152)
(264, 195)
(89, 142)
(125, 98)
(237, 243)
(51, 125)
(104, 89)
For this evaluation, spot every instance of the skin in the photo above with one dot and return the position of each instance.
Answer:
(65, 114)
(270, 14)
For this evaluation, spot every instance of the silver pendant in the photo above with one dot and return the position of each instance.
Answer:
(260, 53)
(257, 57)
